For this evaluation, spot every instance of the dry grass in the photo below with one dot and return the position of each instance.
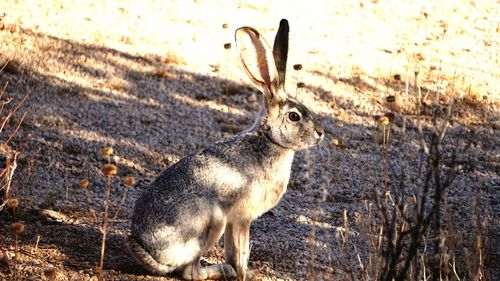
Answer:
(7, 200)
(407, 230)
(172, 58)
(7, 112)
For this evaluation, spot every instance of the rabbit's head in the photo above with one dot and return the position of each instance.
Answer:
(287, 122)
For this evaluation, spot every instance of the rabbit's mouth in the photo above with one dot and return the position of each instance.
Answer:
(319, 135)
(310, 139)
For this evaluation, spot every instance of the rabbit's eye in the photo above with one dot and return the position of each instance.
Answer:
(294, 116)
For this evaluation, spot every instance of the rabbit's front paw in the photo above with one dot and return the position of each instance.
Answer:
(228, 271)
(248, 275)
(220, 272)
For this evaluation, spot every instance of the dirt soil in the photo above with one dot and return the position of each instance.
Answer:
(153, 80)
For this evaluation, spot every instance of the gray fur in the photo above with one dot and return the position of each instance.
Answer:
(223, 188)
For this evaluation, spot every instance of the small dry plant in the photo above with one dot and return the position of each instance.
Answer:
(7, 201)
(7, 172)
(109, 170)
(407, 230)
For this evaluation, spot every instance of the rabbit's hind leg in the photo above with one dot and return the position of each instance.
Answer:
(194, 271)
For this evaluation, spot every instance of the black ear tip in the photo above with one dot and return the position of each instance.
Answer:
(283, 23)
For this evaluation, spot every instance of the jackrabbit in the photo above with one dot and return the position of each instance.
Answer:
(223, 188)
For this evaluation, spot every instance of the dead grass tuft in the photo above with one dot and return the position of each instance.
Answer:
(117, 84)
(173, 59)
(164, 73)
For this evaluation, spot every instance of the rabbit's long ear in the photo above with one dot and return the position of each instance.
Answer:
(258, 62)
(280, 51)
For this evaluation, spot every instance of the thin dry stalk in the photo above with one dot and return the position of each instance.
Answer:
(6, 178)
(297, 68)
(10, 114)
(120, 205)
(104, 227)
(38, 238)
(479, 272)
(16, 250)
(16, 229)
(227, 55)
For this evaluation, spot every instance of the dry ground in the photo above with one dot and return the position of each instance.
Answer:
(150, 79)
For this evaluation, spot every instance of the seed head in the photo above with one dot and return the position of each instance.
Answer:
(301, 85)
(225, 26)
(109, 170)
(13, 203)
(391, 116)
(129, 180)
(84, 183)
(98, 270)
(50, 272)
(297, 66)
(16, 228)
(419, 57)
(227, 46)
(390, 99)
(384, 121)
(107, 151)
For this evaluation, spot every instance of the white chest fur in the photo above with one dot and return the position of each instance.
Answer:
(266, 191)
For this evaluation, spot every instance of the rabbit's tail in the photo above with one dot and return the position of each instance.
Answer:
(143, 257)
